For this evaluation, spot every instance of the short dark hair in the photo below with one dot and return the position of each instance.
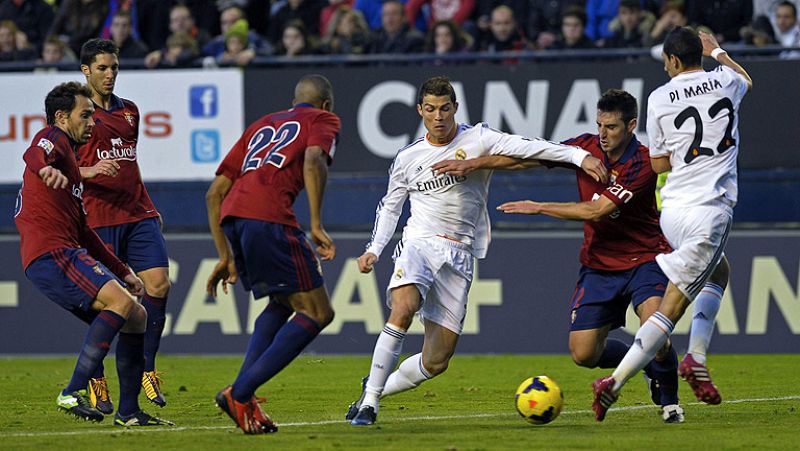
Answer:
(576, 12)
(790, 5)
(630, 4)
(436, 86)
(62, 98)
(684, 43)
(619, 101)
(321, 84)
(97, 46)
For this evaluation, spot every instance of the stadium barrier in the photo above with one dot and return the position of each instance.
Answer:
(519, 302)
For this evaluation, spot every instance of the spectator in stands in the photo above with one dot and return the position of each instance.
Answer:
(573, 35)
(77, 21)
(227, 17)
(348, 33)
(599, 14)
(787, 30)
(181, 51)
(115, 6)
(295, 40)
(769, 8)
(483, 14)
(544, 20)
(396, 36)
(456, 10)
(504, 34)
(32, 17)
(672, 15)
(329, 11)
(307, 11)
(14, 43)
(759, 32)
(182, 21)
(121, 34)
(55, 51)
(725, 17)
(238, 51)
(446, 37)
(631, 26)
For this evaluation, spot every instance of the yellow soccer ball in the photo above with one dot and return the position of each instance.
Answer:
(539, 400)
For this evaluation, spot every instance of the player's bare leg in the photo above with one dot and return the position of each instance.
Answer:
(586, 346)
(157, 285)
(406, 301)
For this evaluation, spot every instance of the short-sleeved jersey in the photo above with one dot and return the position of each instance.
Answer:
(630, 235)
(266, 163)
(694, 119)
(122, 199)
(447, 205)
(50, 219)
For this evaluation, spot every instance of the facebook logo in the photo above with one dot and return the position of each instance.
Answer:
(205, 146)
(203, 101)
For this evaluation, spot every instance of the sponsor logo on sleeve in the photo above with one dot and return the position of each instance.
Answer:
(46, 145)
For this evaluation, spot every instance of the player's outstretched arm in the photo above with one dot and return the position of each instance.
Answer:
(366, 262)
(315, 175)
(711, 48)
(109, 168)
(493, 162)
(581, 211)
(225, 269)
(53, 178)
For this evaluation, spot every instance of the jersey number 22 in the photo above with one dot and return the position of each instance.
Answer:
(695, 149)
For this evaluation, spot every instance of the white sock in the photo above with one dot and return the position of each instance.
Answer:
(410, 374)
(706, 306)
(384, 359)
(649, 339)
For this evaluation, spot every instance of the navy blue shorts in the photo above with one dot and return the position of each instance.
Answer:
(272, 258)
(602, 297)
(139, 244)
(71, 278)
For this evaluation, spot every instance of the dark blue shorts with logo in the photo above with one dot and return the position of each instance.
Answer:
(602, 297)
(272, 258)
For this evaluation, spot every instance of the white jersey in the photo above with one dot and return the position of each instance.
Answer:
(694, 120)
(453, 206)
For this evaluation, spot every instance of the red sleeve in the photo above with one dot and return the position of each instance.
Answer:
(637, 180)
(464, 11)
(231, 166)
(35, 159)
(412, 9)
(325, 133)
(97, 249)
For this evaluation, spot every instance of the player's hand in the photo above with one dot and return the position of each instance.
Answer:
(709, 42)
(595, 168)
(108, 168)
(134, 284)
(325, 247)
(453, 167)
(53, 178)
(224, 271)
(525, 207)
(366, 262)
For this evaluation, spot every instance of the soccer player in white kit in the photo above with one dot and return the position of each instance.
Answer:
(448, 228)
(692, 125)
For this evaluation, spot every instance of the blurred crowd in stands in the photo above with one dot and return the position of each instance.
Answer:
(175, 33)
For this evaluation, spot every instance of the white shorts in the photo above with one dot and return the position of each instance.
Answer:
(698, 236)
(442, 270)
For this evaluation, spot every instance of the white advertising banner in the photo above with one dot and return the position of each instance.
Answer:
(189, 118)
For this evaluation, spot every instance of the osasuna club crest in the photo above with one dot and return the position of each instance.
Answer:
(129, 117)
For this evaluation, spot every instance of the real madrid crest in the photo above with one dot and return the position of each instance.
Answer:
(399, 273)
(129, 117)
(461, 154)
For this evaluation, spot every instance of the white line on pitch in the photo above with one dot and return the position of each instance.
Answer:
(117, 430)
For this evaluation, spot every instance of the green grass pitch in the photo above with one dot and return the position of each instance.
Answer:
(470, 407)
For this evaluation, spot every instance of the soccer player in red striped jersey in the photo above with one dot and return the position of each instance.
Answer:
(621, 240)
(259, 241)
(118, 207)
(58, 251)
